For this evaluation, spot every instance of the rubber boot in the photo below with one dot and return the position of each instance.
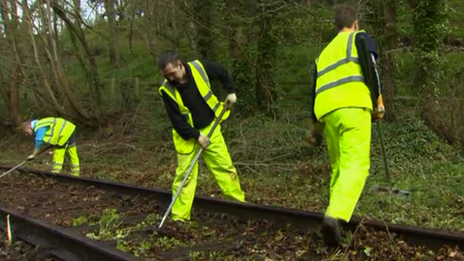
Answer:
(331, 232)
(179, 223)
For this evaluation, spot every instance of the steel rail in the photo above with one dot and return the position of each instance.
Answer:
(60, 243)
(413, 235)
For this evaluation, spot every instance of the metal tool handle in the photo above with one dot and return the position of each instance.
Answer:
(187, 174)
(11, 170)
(384, 155)
(24, 162)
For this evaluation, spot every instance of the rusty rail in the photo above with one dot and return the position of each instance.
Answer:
(418, 236)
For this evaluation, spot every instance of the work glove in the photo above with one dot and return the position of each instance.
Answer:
(31, 157)
(314, 136)
(231, 98)
(204, 141)
(379, 111)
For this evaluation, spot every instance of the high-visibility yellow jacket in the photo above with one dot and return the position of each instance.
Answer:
(59, 130)
(203, 84)
(340, 81)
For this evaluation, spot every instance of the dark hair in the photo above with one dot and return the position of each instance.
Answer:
(345, 16)
(168, 57)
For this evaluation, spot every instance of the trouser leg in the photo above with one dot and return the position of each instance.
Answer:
(181, 209)
(58, 158)
(219, 162)
(73, 156)
(332, 136)
(354, 132)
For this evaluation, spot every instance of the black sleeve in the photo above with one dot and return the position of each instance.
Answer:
(312, 95)
(371, 47)
(178, 121)
(216, 71)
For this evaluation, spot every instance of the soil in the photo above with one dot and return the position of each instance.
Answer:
(19, 250)
(207, 237)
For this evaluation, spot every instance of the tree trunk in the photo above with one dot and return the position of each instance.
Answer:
(77, 10)
(93, 76)
(203, 11)
(150, 17)
(242, 65)
(428, 59)
(266, 85)
(391, 43)
(113, 46)
(9, 26)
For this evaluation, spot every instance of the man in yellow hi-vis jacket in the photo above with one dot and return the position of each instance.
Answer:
(342, 108)
(192, 108)
(57, 132)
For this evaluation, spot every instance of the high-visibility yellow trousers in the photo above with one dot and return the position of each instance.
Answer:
(59, 153)
(219, 162)
(348, 134)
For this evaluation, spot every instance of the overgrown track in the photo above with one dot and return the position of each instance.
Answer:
(52, 241)
(123, 216)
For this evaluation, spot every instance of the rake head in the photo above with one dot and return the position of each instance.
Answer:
(391, 190)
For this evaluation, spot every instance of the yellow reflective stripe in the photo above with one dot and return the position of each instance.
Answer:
(343, 61)
(41, 124)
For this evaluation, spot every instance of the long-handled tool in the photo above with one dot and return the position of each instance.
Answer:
(390, 187)
(373, 82)
(24, 162)
(187, 174)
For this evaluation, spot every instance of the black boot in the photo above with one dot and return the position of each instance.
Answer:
(331, 232)
(179, 223)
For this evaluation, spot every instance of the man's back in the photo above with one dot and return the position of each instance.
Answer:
(340, 82)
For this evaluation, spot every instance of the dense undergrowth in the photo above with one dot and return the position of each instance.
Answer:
(277, 168)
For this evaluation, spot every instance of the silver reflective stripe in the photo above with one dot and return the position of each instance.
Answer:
(340, 82)
(52, 131)
(216, 107)
(208, 95)
(201, 71)
(42, 124)
(205, 78)
(342, 61)
(61, 130)
(170, 88)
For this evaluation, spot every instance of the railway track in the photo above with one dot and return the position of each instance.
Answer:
(86, 219)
